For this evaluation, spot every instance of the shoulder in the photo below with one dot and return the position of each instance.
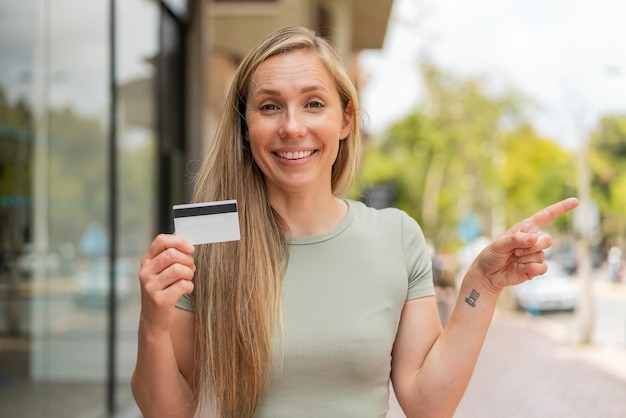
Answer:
(386, 217)
(390, 225)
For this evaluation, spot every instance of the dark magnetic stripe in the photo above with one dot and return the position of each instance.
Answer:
(205, 210)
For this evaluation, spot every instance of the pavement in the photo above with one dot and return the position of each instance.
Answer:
(531, 366)
(524, 371)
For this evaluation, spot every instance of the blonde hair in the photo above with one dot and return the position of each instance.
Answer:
(238, 284)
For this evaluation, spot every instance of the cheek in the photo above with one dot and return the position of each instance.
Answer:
(254, 150)
(256, 144)
(254, 138)
(259, 129)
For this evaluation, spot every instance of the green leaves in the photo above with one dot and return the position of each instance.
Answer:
(607, 155)
(467, 151)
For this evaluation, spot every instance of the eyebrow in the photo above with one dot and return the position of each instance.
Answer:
(306, 89)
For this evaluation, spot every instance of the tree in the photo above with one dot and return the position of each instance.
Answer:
(607, 155)
(446, 154)
(467, 154)
(15, 199)
(536, 172)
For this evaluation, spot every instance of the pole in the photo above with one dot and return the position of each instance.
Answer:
(585, 309)
(112, 300)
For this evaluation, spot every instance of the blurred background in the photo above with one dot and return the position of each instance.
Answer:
(476, 115)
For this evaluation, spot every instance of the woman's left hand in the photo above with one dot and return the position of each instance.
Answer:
(518, 255)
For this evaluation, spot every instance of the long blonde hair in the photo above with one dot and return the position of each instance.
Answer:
(238, 284)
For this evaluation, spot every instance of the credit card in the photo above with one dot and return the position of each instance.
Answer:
(208, 222)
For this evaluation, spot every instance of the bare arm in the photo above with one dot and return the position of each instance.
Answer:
(432, 367)
(160, 382)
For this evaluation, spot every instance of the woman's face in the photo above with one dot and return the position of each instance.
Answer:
(295, 121)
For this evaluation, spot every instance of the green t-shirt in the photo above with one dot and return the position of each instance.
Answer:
(342, 296)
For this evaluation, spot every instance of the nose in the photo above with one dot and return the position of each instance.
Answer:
(292, 126)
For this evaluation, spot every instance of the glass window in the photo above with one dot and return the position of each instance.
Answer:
(137, 53)
(17, 39)
(54, 199)
(68, 335)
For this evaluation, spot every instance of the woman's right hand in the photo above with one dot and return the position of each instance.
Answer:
(166, 272)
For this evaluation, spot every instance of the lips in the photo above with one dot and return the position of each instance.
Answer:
(297, 155)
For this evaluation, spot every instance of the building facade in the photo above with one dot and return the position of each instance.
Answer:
(106, 110)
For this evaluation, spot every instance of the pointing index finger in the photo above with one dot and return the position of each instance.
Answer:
(550, 213)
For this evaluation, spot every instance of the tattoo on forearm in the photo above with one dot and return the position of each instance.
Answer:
(472, 298)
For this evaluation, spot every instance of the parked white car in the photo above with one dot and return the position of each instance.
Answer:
(553, 291)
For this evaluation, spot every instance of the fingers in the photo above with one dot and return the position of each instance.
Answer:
(524, 250)
(518, 255)
(519, 243)
(530, 260)
(167, 262)
(531, 270)
(167, 270)
(548, 214)
(536, 257)
(525, 247)
(524, 238)
(165, 241)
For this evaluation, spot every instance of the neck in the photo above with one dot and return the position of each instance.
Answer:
(311, 215)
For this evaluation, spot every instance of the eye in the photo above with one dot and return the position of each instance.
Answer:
(314, 104)
(268, 107)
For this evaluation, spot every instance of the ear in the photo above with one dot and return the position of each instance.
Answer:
(346, 127)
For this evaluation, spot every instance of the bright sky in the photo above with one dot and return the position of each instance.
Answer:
(569, 56)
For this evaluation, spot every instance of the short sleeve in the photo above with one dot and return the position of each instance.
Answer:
(186, 302)
(418, 260)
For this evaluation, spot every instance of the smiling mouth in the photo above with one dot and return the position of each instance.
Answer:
(295, 155)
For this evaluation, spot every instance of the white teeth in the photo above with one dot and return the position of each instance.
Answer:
(294, 155)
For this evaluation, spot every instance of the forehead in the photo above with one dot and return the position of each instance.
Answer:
(295, 68)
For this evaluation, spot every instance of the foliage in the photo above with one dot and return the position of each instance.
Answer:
(16, 139)
(607, 155)
(77, 176)
(79, 181)
(536, 172)
(464, 153)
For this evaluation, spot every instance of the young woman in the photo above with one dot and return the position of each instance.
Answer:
(323, 300)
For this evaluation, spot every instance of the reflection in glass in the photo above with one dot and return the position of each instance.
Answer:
(54, 232)
(137, 48)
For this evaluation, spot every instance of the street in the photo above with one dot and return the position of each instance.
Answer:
(522, 372)
(533, 366)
